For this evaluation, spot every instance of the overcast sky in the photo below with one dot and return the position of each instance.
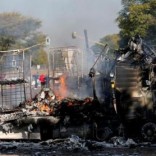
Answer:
(62, 17)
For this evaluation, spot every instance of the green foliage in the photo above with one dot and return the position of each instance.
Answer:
(16, 25)
(40, 58)
(138, 17)
(137, 20)
(6, 42)
(18, 31)
(111, 40)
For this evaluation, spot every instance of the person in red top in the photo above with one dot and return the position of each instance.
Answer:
(42, 79)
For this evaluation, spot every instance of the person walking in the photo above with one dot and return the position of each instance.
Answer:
(42, 80)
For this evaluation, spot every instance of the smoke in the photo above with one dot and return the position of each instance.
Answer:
(81, 85)
(61, 18)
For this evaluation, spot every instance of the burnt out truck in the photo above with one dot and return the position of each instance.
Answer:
(135, 89)
(128, 109)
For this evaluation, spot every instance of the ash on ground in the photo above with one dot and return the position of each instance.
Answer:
(76, 146)
(67, 115)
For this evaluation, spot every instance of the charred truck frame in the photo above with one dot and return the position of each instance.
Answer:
(135, 89)
(129, 110)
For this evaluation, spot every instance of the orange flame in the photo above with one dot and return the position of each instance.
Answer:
(62, 92)
(63, 87)
(44, 108)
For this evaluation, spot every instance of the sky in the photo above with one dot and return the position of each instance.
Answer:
(62, 17)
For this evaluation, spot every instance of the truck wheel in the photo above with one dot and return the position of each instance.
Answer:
(104, 133)
(148, 131)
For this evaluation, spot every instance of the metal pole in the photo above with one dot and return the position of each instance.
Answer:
(87, 45)
(24, 75)
(82, 66)
(53, 66)
(50, 70)
(2, 95)
(99, 56)
(48, 67)
(86, 40)
(30, 59)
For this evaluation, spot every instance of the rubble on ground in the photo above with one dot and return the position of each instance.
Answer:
(75, 144)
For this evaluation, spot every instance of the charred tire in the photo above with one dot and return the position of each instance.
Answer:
(103, 133)
(148, 131)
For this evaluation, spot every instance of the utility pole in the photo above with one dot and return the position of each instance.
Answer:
(87, 46)
(86, 40)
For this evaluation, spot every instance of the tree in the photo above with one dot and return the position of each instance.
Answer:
(40, 59)
(111, 40)
(18, 31)
(138, 17)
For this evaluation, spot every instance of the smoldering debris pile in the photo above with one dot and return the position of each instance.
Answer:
(55, 110)
(47, 104)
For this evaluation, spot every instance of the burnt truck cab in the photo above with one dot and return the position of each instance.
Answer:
(134, 92)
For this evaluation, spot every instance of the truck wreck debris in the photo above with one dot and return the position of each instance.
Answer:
(135, 89)
(128, 101)
(57, 117)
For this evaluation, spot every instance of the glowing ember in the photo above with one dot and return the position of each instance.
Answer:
(44, 108)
